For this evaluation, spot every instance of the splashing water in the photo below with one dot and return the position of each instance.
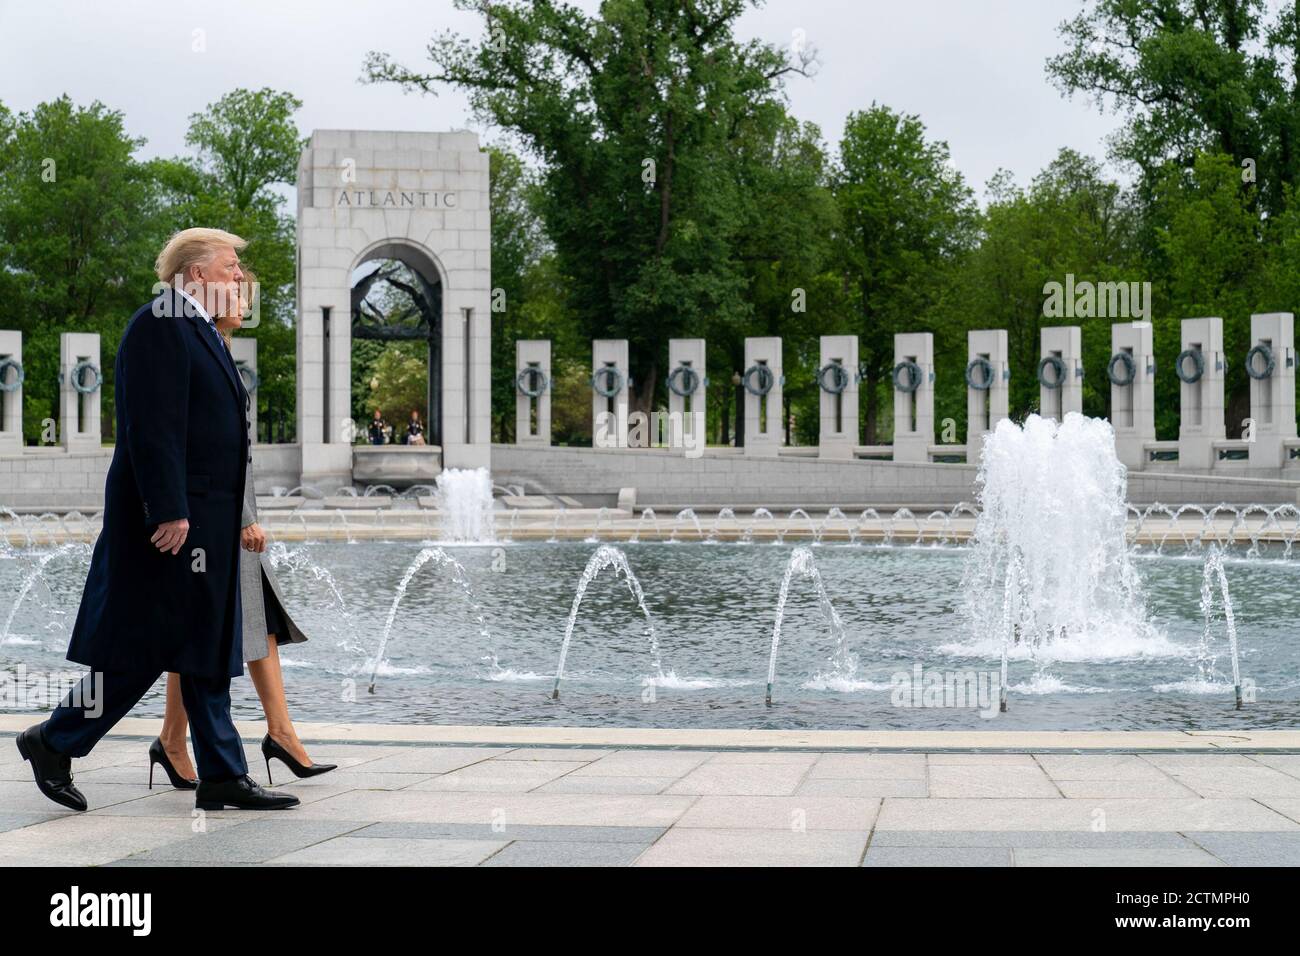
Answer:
(646, 514)
(38, 573)
(843, 664)
(903, 514)
(299, 560)
(1055, 496)
(726, 514)
(869, 514)
(686, 514)
(594, 537)
(444, 560)
(464, 501)
(1010, 613)
(1205, 659)
(607, 557)
(789, 524)
(759, 513)
(835, 514)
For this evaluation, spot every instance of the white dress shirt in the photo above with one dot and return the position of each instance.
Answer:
(197, 305)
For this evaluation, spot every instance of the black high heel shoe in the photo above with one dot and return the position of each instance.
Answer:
(157, 755)
(272, 749)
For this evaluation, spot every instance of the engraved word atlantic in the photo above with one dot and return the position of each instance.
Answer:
(417, 198)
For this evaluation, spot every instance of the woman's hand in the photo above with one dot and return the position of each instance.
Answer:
(253, 538)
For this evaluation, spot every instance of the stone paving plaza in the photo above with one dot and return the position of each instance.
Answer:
(417, 796)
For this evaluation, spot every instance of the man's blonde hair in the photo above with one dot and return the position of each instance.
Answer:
(191, 247)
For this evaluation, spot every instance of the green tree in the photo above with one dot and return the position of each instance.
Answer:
(399, 384)
(785, 254)
(906, 220)
(1072, 220)
(1212, 260)
(1192, 76)
(528, 299)
(247, 147)
(635, 115)
(79, 231)
(247, 141)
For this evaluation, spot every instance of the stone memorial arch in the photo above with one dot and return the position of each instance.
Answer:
(410, 211)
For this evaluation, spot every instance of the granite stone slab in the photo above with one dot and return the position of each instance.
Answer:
(565, 853)
(740, 847)
(937, 856)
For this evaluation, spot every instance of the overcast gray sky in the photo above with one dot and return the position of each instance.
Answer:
(972, 69)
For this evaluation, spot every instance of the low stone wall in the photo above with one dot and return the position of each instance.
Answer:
(276, 466)
(724, 478)
(399, 466)
(728, 479)
(1147, 487)
(51, 479)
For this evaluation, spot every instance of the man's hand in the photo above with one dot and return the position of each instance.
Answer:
(170, 535)
(253, 538)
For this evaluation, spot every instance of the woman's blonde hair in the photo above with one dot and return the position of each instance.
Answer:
(191, 247)
(253, 290)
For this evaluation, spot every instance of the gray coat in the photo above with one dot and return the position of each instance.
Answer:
(254, 569)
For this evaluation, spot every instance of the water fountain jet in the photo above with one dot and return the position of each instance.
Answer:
(1214, 573)
(464, 503)
(1055, 495)
(801, 562)
(443, 559)
(38, 573)
(605, 557)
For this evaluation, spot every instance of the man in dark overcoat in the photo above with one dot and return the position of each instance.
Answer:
(162, 593)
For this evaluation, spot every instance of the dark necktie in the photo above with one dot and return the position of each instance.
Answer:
(230, 362)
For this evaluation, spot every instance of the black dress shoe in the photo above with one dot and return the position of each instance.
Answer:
(157, 755)
(52, 770)
(272, 749)
(242, 793)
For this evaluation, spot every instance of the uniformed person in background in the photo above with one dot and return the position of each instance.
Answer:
(414, 429)
(378, 429)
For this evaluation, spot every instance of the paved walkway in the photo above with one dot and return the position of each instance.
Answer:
(438, 803)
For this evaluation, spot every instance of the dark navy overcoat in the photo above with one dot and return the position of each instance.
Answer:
(182, 451)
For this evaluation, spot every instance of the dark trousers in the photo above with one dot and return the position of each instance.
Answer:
(74, 729)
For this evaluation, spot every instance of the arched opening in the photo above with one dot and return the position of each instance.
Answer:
(397, 306)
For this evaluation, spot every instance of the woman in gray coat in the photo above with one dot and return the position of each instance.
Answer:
(266, 626)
